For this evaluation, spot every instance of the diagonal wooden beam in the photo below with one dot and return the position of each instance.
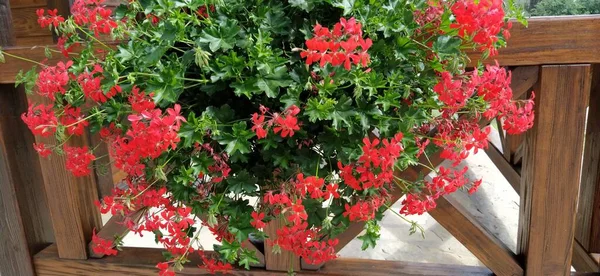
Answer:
(488, 249)
(582, 260)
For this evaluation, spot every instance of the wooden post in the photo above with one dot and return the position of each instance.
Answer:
(25, 226)
(283, 261)
(551, 170)
(588, 209)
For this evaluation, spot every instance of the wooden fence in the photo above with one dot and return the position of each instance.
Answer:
(47, 216)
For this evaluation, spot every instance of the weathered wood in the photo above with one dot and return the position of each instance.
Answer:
(551, 40)
(488, 249)
(142, 261)
(25, 227)
(7, 35)
(63, 7)
(523, 78)
(115, 227)
(511, 175)
(283, 261)
(587, 230)
(553, 147)
(103, 172)
(34, 41)
(582, 260)
(27, 3)
(14, 253)
(70, 199)
(25, 22)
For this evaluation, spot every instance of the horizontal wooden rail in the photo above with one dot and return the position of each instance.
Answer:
(552, 40)
(142, 261)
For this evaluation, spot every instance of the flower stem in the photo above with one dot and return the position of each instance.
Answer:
(23, 59)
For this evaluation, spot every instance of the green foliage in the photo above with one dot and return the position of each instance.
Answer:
(566, 7)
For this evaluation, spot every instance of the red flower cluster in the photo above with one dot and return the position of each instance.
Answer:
(257, 220)
(364, 210)
(78, 160)
(94, 14)
(445, 182)
(480, 20)
(375, 166)
(40, 119)
(151, 133)
(73, 120)
(51, 19)
(213, 266)
(41, 149)
(102, 246)
(53, 79)
(313, 186)
(432, 15)
(202, 12)
(285, 123)
(164, 269)
(458, 137)
(298, 237)
(90, 83)
(340, 46)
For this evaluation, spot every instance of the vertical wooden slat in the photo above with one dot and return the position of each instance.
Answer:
(587, 230)
(283, 261)
(25, 226)
(70, 199)
(551, 167)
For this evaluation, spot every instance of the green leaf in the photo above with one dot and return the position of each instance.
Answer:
(238, 140)
(347, 5)
(343, 113)
(447, 45)
(201, 162)
(27, 79)
(170, 32)
(222, 37)
(319, 109)
(124, 54)
(229, 251)
(247, 257)
(242, 182)
(371, 235)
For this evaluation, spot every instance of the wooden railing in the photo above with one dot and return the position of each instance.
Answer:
(46, 216)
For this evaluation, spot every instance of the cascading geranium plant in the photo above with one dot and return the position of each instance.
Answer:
(242, 112)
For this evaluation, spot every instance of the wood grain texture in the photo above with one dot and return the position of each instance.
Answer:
(14, 254)
(582, 260)
(523, 78)
(25, 22)
(551, 40)
(451, 215)
(511, 175)
(551, 166)
(7, 32)
(27, 3)
(588, 213)
(34, 41)
(115, 226)
(70, 199)
(283, 261)
(25, 169)
(142, 262)
(103, 172)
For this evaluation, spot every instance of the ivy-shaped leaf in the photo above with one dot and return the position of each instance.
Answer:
(222, 37)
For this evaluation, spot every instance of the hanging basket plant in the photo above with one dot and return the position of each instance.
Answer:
(245, 112)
